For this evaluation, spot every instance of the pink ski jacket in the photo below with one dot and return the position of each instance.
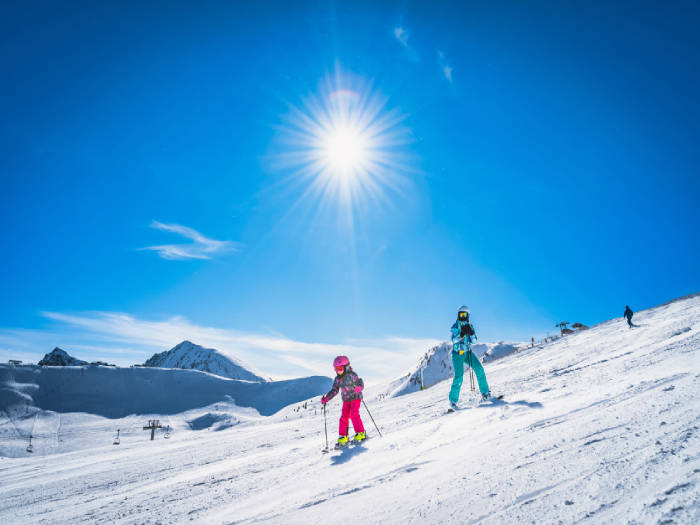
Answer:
(346, 385)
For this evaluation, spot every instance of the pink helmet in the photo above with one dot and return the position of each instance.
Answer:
(341, 360)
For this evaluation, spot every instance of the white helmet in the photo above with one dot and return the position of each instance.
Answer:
(463, 312)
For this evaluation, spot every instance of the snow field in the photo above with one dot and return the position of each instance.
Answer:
(60, 406)
(600, 426)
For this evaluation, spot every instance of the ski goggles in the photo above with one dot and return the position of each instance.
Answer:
(463, 315)
(339, 369)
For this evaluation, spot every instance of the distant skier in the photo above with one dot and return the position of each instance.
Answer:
(350, 387)
(628, 315)
(462, 334)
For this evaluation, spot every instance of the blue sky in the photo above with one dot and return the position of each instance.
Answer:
(545, 167)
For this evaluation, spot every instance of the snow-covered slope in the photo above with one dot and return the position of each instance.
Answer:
(188, 355)
(116, 392)
(599, 427)
(436, 366)
(501, 349)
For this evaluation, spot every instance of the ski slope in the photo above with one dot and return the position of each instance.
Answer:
(601, 426)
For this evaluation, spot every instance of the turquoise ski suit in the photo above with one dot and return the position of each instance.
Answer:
(462, 354)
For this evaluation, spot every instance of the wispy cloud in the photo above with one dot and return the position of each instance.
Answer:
(201, 247)
(445, 66)
(401, 35)
(125, 339)
(447, 70)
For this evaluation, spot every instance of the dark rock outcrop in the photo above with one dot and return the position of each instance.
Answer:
(58, 357)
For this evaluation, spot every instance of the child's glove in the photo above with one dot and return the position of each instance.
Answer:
(324, 400)
(358, 389)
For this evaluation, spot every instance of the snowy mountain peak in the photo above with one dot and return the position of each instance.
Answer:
(436, 365)
(188, 355)
(59, 357)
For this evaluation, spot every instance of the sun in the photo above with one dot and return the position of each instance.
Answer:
(346, 147)
(345, 150)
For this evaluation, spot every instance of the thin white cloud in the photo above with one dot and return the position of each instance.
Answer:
(445, 66)
(401, 35)
(113, 336)
(201, 247)
(447, 70)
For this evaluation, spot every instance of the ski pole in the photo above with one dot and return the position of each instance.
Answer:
(370, 415)
(471, 370)
(325, 425)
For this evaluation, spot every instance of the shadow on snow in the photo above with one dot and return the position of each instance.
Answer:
(520, 402)
(347, 453)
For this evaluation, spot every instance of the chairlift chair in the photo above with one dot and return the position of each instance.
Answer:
(116, 439)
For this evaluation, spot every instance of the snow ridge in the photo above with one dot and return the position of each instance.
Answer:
(117, 392)
(188, 355)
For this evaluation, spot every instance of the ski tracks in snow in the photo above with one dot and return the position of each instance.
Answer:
(601, 426)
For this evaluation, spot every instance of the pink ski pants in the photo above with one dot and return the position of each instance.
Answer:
(351, 411)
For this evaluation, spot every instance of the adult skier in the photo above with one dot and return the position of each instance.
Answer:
(628, 315)
(462, 334)
(350, 386)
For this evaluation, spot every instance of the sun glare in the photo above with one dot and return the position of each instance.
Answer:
(346, 147)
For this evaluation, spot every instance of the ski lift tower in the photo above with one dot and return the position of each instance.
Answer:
(153, 424)
(562, 326)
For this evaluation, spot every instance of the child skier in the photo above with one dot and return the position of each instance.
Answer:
(350, 386)
(462, 334)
